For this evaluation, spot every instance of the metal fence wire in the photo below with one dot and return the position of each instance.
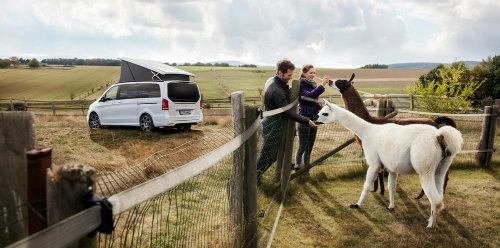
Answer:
(195, 212)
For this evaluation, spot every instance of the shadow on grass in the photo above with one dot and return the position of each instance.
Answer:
(114, 137)
(374, 226)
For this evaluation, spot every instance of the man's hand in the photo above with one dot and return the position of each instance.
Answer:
(312, 124)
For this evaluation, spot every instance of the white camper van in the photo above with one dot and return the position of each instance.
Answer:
(167, 99)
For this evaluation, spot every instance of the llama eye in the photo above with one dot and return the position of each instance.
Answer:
(325, 114)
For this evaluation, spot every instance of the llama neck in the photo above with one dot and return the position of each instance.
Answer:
(351, 121)
(353, 102)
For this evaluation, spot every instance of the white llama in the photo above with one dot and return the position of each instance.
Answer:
(402, 149)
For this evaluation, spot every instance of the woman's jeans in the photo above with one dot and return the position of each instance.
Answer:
(307, 137)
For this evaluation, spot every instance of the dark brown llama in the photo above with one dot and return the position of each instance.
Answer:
(354, 103)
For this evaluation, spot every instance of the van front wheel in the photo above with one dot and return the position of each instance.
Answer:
(94, 121)
(146, 123)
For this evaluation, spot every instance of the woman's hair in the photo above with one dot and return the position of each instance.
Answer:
(284, 65)
(305, 69)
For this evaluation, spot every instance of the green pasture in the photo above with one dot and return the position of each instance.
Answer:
(219, 82)
(56, 83)
(89, 82)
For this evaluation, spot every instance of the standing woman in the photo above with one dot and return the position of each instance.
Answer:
(308, 107)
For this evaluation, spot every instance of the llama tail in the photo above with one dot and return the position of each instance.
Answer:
(450, 140)
(445, 120)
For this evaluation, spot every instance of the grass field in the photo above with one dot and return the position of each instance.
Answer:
(88, 82)
(56, 83)
(316, 213)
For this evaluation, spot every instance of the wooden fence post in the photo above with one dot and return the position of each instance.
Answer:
(281, 152)
(18, 136)
(289, 135)
(53, 108)
(412, 106)
(237, 175)
(250, 191)
(66, 188)
(491, 136)
(487, 137)
(379, 107)
(388, 107)
(39, 160)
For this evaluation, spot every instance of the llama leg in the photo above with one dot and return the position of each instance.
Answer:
(445, 183)
(441, 175)
(371, 176)
(375, 185)
(381, 181)
(393, 180)
(428, 184)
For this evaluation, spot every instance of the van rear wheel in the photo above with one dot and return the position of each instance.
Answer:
(146, 123)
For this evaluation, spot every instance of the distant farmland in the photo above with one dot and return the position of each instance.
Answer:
(88, 82)
(55, 83)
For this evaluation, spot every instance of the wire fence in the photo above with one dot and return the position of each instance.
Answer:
(192, 214)
(195, 212)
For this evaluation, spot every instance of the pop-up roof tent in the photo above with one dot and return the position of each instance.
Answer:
(136, 70)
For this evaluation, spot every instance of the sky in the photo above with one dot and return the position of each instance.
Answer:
(325, 33)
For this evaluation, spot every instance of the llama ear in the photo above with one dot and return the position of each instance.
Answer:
(327, 103)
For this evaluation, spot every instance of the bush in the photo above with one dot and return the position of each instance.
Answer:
(34, 63)
(450, 90)
(4, 63)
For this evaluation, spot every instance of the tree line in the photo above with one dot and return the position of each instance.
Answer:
(375, 66)
(16, 62)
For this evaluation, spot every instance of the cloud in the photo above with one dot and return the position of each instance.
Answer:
(322, 32)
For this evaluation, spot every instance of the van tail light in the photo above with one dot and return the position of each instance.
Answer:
(201, 104)
(164, 104)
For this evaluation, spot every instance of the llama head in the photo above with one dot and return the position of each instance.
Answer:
(326, 114)
(341, 84)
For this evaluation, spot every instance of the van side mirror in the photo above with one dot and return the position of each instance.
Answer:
(103, 99)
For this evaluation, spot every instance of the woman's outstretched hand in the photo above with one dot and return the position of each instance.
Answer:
(326, 79)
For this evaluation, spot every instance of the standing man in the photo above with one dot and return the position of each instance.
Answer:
(276, 95)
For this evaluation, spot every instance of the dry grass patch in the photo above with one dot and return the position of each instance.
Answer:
(109, 149)
(316, 213)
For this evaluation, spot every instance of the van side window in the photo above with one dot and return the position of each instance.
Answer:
(127, 91)
(183, 92)
(148, 91)
(111, 94)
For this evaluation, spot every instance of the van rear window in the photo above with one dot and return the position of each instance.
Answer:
(148, 91)
(183, 92)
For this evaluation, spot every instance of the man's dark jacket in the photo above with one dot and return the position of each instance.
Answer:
(276, 95)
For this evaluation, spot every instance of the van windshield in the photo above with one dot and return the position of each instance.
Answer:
(183, 92)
